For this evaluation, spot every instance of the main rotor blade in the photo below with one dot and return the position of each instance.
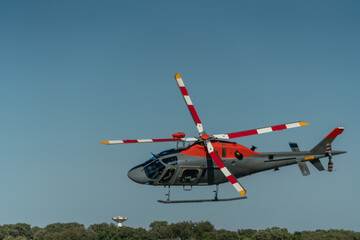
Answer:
(224, 169)
(189, 103)
(260, 130)
(111, 142)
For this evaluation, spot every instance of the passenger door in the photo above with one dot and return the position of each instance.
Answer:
(189, 176)
(166, 179)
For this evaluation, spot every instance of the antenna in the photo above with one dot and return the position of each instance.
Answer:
(119, 220)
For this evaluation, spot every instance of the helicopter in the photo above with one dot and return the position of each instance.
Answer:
(213, 159)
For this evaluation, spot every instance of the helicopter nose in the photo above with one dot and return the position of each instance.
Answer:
(137, 174)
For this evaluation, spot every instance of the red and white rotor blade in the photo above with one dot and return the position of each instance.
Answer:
(112, 142)
(260, 130)
(224, 169)
(189, 103)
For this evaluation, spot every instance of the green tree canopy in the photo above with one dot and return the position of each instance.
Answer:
(161, 230)
(16, 230)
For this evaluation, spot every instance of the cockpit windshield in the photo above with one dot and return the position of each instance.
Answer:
(154, 170)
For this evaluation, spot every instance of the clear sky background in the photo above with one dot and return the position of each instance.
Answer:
(76, 72)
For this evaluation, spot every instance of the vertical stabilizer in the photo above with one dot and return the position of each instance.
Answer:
(321, 147)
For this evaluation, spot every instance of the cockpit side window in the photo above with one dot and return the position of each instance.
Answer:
(154, 170)
(170, 160)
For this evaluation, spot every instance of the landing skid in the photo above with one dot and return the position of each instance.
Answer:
(201, 200)
(215, 199)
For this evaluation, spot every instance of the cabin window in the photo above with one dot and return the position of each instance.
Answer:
(189, 176)
(238, 155)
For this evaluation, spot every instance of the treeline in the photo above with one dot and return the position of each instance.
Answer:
(162, 230)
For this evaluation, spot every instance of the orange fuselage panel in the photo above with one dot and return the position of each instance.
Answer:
(224, 150)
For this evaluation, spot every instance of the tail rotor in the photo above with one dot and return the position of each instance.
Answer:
(328, 153)
(324, 146)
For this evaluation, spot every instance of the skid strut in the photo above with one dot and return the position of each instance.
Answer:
(215, 199)
(168, 195)
(216, 193)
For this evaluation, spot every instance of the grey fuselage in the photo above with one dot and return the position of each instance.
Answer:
(171, 167)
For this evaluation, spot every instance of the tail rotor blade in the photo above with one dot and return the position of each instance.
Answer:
(224, 169)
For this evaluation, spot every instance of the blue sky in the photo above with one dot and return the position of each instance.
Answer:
(76, 72)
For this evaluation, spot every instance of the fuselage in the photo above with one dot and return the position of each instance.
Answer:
(193, 166)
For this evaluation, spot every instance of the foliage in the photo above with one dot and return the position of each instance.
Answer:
(16, 231)
(68, 231)
(162, 230)
(274, 233)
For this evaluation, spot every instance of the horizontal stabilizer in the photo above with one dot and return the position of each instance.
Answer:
(303, 168)
(317, 164)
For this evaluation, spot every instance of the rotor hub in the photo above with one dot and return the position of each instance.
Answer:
(204, 137)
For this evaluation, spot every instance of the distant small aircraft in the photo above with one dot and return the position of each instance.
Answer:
(211, 160)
